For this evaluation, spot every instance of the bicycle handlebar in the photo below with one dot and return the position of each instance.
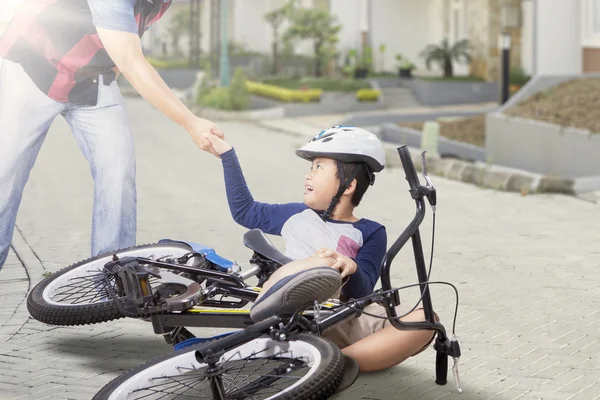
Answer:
(409, 168)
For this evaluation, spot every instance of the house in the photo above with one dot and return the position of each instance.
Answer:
(404, 26)
(562, 37)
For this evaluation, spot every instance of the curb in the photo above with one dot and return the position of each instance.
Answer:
(478, 173)
(249, 115)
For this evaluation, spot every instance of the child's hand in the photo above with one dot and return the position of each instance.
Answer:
(219, 145)
(344, 264)
(198, 128)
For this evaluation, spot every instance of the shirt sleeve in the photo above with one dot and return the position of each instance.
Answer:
(116, 15)
(247, 212)
(368, 260)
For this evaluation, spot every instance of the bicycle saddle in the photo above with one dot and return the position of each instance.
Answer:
(256, 240)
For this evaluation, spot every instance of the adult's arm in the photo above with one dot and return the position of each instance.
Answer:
(118, 31)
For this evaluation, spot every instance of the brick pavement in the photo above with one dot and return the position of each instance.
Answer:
(527, 269)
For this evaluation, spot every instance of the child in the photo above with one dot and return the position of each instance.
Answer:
(328, 243)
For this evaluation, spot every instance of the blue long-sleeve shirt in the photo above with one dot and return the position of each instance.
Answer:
(305, 232)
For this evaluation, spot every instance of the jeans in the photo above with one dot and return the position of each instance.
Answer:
(104, 137)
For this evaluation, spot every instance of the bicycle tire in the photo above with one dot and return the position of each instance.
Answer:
(83, 314)
(319, 385)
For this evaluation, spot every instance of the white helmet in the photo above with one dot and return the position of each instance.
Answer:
(346, 144)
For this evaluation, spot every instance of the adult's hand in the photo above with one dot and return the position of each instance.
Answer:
(201, 130)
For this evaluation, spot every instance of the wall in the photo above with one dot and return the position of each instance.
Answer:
(403, 26)
(528, 36)
(558, 37)
(541, 147)
(347, 14)
(591, 60)
(250, 28)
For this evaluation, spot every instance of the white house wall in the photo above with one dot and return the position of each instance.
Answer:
(527, 36)
(558, 37)
(250, 28)
(347, 14)
(403, 25)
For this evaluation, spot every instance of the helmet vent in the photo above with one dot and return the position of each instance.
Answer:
(327, 139)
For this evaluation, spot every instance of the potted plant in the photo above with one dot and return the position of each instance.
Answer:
(405, 66)
(518, 78)
(364, 64)
(444, 54)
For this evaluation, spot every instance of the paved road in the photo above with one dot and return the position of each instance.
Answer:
(527, 269)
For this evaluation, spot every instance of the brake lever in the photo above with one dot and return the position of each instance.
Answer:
(431, 193)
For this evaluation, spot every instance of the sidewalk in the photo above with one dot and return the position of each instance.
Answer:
(526, 267)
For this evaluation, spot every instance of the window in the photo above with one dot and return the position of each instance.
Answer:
(457, 21)
(590, 23)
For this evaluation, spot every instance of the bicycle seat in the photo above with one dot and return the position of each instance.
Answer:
(256, 240)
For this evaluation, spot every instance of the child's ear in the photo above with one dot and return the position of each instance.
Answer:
(351, 188)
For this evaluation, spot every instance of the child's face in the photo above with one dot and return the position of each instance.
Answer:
(321, 183)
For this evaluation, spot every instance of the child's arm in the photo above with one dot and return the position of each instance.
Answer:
(369, 258)
(245, 211)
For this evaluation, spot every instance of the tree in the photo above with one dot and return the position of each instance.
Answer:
(276, 18)
(444, 54)
(316, 25)
(180, 25)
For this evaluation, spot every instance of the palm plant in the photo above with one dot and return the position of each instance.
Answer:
(444, 54)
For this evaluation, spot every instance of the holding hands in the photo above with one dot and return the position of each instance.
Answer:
(207, 137)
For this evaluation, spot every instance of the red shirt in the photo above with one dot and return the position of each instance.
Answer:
(56, 43)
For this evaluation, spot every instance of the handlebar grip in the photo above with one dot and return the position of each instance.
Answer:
(441, 368)
(409, 167)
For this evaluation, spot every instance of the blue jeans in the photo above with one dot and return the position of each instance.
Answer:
(104, 137)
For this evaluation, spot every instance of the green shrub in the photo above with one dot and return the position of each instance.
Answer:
(168, 64)
(518, 76)
(367, 95)
(325, 84)
(283, 94)
(217, 98)
(238, 91)
(233, 97)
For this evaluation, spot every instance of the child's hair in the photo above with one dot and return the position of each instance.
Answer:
(362, 181)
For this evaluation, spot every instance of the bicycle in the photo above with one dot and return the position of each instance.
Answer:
(283, 347)
(168, 291)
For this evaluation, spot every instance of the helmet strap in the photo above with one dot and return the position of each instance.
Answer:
(344, 183)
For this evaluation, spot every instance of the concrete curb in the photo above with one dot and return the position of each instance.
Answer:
(478, 173)
(249, 115)
(403, 135)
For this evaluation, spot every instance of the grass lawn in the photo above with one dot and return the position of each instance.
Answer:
(467, 130)
(325, 84)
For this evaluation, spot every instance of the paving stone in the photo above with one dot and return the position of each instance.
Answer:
(527, 269)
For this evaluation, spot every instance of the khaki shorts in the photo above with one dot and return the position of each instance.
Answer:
(356, 329)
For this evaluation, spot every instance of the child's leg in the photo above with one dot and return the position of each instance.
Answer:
(295, 267)
(294, 286)
(389, 346)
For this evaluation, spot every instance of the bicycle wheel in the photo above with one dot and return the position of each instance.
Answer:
(308, 367)
(78, 294)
